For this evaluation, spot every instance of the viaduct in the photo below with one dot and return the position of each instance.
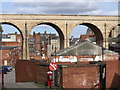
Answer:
(63, 24)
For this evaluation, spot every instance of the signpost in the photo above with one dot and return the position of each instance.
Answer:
(53, 66)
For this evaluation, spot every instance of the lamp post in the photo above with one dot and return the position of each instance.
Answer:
(1, 36)
(1, 55)
(0, 43)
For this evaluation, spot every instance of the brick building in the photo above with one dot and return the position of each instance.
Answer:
(88, 52)
(10, 54)
(88, 36)
(11, 48)
(43, 44)
(39, 43)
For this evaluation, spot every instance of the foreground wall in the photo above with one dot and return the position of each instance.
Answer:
(113, 74)
(26, 70)
(81, 76)
(41, 73)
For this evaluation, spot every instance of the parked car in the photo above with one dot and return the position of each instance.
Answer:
(9, 68)
(4, 70)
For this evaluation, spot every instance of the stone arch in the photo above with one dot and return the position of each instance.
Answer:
(61, 35)
(8, 23)
(111, 29)
(110, 32)
(13, 26)
(97, 32)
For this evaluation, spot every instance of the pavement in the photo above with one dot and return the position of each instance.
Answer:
(9, 82)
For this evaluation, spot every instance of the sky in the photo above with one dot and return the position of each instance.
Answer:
(58, 7)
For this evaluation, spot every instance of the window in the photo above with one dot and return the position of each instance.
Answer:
(31, 40)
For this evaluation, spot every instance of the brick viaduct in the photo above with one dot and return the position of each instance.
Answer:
(63, 24)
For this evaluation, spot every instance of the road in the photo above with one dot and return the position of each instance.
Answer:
(9, 82)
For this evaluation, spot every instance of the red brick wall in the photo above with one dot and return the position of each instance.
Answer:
(41, 76)
(73, 77)
(80, 77)
(112, 74)
(25, 70)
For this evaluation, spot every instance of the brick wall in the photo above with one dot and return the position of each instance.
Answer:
(71, 77)
(41, 74)
(25, 70)
(112, 74)
(80, 77)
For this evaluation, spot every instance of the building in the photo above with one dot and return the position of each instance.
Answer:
(13, 39)
(73, 40)
(88, 52)
(11, 48)
(10, 54)
(43, 44)
(85, 51)
(88, 36)
(40, 44)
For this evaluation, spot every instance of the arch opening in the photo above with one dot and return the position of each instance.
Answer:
(12, 42)
(48, 38)
(90, 32)
(114, 39)
(60, 33)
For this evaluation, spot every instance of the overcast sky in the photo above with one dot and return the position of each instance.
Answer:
(64, 7)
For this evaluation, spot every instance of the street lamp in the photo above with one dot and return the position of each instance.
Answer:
(1, 35)
(1, 54)
(0, 42)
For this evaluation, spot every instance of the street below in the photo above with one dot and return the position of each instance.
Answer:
(9, 82)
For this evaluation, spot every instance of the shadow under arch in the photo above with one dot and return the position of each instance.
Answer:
(111, 33)
(18, 30)
(97, 32)
(61, 35)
